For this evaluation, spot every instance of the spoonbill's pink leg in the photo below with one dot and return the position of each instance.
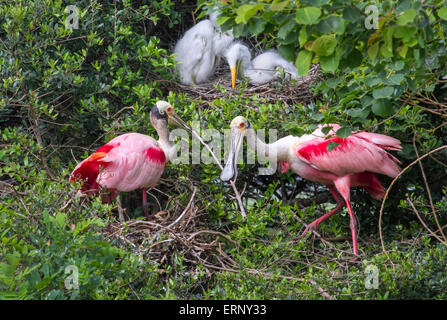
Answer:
(340, 204)
(353, 226)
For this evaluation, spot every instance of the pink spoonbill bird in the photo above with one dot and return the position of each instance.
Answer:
(352, 163)
(131, 161)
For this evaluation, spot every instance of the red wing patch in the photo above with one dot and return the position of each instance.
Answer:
(88, 172)
(156, 154)
(106, 148)
(313, 150)
(89, 169)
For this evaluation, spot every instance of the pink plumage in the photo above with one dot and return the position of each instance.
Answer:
(353, 162)
(351, 155)
(128, 162)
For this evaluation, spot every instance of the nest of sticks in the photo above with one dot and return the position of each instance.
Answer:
(179, 231)
(283, 89)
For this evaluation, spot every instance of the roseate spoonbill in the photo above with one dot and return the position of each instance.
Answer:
(199, 50)
(353, 162)
(131, 161)
(262, 69)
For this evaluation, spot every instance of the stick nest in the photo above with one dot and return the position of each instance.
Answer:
(283, 89)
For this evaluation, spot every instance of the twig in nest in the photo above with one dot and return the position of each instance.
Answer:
(120, 209)
(391, 185)
(273, 91)
(184, 211)
(233, 185)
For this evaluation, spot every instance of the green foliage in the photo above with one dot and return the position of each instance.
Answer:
(64, 93)
(406, 50)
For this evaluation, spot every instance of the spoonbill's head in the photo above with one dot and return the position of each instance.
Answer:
(238, 57)
(238, 127)
(163, 113)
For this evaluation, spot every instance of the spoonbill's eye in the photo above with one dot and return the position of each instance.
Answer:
(169, 109)
(241, 124)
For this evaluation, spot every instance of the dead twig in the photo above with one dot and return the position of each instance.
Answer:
(422, 221)
(186, 209)
(34, 121)
(233, 185)
(391, 185)
(427, 188)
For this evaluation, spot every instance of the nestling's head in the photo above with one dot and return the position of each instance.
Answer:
(238, 57)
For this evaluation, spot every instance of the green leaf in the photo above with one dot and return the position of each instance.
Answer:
(351, 14)
(382, 107)
(326, 129)
(330, 24)
(398, 65)
(402, 51)
(256, 25)
(403, 5)
(291, 38)
(404, 32)
(318, 3)
(344, 132)
(406, 17)
(302, 37)
(221, 20)
(318, 117)
(332, 145)
(60, 219)
(278, 5)
(373, 50)
(287, 51)
(354, 59)
(330, 64)
(387, 49)
(308, 15)
(246, 11)
(286, 28)
(303, 61)
(324, 45)
(385, 92)
(442, 13)
(395, 79)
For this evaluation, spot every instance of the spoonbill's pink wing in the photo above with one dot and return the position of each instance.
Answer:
(351, 155)
(126, 163)
(381, 140)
